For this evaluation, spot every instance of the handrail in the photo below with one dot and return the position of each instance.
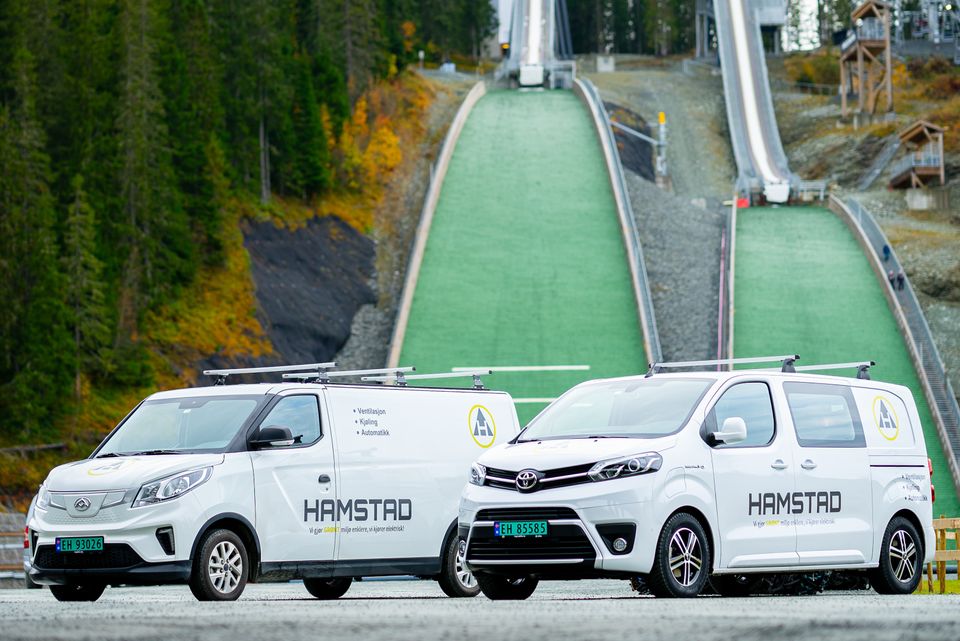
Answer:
(631, 236)
(426, 220)
(913, 324)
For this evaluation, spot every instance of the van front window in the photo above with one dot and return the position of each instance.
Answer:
(181, 425)
(636, 408)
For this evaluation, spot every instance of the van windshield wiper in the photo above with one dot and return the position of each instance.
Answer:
(154, 452)
(108, 455)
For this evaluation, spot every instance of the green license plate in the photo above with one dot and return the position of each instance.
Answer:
(519, 528)
(80, 544)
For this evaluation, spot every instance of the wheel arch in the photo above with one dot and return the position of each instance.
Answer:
(914, 520)
(239, 525)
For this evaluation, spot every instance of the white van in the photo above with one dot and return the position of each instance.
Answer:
(677, 477)
(215, 486)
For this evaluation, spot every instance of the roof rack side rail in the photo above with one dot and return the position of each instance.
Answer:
(787, 361)
(222, 374)
(402, 380)
(325, 376)
(862, 367)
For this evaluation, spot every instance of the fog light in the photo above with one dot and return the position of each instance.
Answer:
(619, 544)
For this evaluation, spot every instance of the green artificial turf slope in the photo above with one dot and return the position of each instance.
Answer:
(804, 286)
(525, 262)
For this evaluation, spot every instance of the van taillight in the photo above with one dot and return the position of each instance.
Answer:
(933, 490)
(26, 538)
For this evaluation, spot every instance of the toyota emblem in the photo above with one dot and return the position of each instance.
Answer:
(527, 480)
(82, 504)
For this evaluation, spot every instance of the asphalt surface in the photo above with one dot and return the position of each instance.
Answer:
(400, 610)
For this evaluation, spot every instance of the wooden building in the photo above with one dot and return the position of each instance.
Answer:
(866, 63)
(923, 163)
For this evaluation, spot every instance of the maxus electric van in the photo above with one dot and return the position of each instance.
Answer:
(676, 477)
(217, 486)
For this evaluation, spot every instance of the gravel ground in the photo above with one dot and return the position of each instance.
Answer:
(415, 610)
(680, 230)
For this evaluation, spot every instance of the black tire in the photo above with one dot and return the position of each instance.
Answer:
(501, 588)
(327, 589)
(683, 534)
(455, 580)
(86, 592)
(221, 567)
(901, 559)
(736, 585)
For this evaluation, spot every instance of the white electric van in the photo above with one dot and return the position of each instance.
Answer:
(677, 477)
(216, 486)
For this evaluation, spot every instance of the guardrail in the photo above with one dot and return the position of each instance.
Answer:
(11, 541)
(913, 324)
(631, 237)
(915, 160)
(437, 173)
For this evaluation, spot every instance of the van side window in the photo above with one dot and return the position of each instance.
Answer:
(752, 403)
(824, 415)
(299, 413)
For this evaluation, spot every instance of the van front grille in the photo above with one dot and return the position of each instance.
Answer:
(526, 514)
(561, 543)
(115, 556)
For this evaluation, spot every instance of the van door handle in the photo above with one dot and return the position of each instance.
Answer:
(323, 478)
(808, 465)
(779, 464)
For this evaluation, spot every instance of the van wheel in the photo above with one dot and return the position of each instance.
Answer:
(501, 588)
(455, 579)
(220, 568)
(736, 585)
(77, 592)
(682, 564)
(901, 559)
(327, 589)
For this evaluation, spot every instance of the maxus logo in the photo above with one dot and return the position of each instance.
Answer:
(483, 429)
(886, 418)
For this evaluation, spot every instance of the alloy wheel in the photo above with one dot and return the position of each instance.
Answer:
(464, 576)
(686, 558)
(225, 567)
(903, 556)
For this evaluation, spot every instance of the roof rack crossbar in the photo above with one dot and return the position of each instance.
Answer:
(325, 376)
(787, 360)
(402, 380)
(222, 374)
(526, 368)
(862, 367)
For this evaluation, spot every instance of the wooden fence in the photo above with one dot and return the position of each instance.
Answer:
(945, 530)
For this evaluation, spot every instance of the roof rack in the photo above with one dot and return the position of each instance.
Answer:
(786, 361)
(862, 367)
(222, 374)
(402, 380)
(324, 376)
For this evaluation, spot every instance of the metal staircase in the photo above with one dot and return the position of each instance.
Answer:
(890, 148)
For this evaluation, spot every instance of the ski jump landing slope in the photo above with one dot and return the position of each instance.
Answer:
(525, 263)
(803, 285)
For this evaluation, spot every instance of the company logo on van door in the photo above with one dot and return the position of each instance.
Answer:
(357, 510)
(482, 427)
(885, 418)
(794, 503)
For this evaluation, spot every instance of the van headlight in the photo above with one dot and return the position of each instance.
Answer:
(626, 466)
(478, 474)
(43, 498)
(171, 487)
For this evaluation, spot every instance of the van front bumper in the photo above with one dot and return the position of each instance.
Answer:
(141, 574)
(578, 543)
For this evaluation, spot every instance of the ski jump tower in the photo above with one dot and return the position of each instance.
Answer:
(536, 43)
(866, 60)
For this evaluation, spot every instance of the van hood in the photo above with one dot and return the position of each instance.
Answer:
(124, 472)
(552, 454)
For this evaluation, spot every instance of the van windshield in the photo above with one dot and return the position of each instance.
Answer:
(644, 408)
(181, 425)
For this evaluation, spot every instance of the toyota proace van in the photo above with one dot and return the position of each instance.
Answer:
(217, 486)
(677, 477)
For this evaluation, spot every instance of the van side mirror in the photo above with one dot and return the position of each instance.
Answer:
(273, 436)
(734, 430)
